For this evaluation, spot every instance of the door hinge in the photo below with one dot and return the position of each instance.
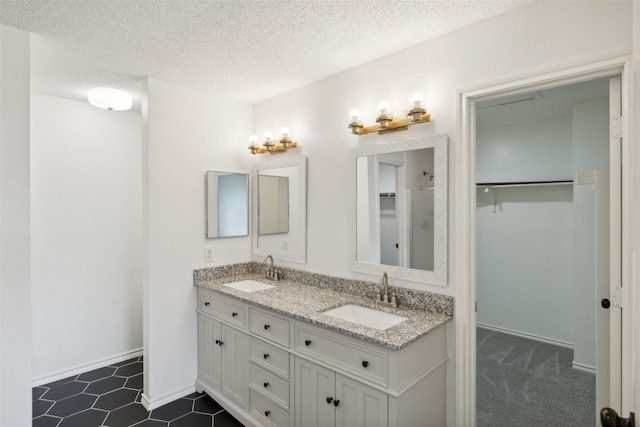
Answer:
(617, 124)
(616, 296)
(476, 306)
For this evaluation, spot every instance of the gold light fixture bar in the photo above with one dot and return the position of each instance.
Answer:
(357, 128)
(386, 123)
(285, 143)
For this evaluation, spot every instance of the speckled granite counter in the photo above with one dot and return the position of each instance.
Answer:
(308, 302)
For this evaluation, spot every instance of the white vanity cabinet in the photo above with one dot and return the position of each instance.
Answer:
(268, 369)
(326, 399)
(222, 355)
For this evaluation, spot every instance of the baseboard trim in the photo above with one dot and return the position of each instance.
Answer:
(583, 367)
(65, 373)
(150, 405)
(526, 335)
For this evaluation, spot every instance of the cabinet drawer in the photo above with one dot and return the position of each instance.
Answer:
(270, 326)
(224, 308)
(270, 384)
(270, 357)
(352, 356)
(268, 412)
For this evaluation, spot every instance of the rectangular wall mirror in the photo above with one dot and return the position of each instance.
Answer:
(227, 204)
(279, 214)
(398, 210)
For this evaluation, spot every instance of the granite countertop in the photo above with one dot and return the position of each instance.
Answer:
(307, 303)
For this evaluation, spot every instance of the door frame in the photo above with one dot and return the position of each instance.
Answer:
(465, 220)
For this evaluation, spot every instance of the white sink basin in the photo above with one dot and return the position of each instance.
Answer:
(365, 316)
(249, 286)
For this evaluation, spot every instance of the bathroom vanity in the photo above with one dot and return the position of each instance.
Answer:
(269, 353)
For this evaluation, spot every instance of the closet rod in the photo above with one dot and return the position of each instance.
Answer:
(500, 184)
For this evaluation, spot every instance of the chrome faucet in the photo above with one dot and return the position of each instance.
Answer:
(272, 273)
(383, 299)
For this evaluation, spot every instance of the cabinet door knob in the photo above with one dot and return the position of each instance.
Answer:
(329, 399)
(217, 341)
(266, 327)
(336, 403)
(207, 303)
(266, 413)
(266, 385)
(266, 355)
(307, 343)
(234, 314)
(365, 363)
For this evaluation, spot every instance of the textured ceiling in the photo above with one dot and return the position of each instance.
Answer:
(250, 50)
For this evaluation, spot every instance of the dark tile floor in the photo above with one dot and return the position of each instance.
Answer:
(110, 397)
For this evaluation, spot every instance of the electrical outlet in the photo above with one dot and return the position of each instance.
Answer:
(208, 254)
(285, 245)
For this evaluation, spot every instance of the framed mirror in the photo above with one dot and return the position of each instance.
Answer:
(279, 214)
(227, 204)
(398, 212)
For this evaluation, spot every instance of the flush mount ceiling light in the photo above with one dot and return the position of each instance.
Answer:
(110, 99)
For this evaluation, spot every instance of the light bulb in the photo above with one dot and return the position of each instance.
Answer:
(267, 136)
(253, 139)
(284, 132)
(417, 99)
(355, 114)
(383, 107)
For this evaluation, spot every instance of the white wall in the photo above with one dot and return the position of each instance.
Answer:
(533, 39)
(185, 133)
(86, 219)
(15, 281)
(525, 248)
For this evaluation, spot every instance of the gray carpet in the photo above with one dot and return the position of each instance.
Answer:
(522, 382)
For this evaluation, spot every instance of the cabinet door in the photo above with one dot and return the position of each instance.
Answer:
(209, 352)
(235, 365)
(314, 395)
(359, 405)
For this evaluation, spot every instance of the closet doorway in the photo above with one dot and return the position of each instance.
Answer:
(543, 199)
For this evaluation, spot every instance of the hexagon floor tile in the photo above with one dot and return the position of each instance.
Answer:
(110, 397)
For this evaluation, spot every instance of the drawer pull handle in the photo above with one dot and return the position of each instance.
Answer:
(266, 355)
(206, 303)
(234, 314)
(329, 400)
(266, 327)
(266, 385)
(336, 403)
(267, 413)
(365, 363)
(307, 343)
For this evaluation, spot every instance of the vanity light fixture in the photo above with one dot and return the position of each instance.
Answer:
(109, 99)
(273, 147)
(386, 123)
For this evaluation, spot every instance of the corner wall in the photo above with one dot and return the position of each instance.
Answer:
(15, 277)
(185, 133)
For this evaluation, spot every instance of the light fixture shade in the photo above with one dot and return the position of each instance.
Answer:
(110, 99)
